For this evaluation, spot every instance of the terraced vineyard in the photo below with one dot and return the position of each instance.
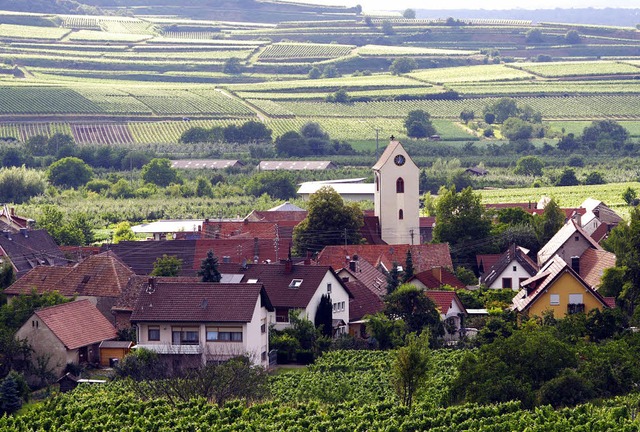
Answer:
(291, 51)
(554, 70)
(470, 74)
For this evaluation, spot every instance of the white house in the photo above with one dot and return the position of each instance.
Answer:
(452, 312)
(569, 242)
(195, 322)
(512, 268)
(297, 287)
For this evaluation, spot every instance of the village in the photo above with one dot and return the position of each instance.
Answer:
(238, 281)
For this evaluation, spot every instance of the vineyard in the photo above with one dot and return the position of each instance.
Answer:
(553, 70)
(289, 51)
(351, 395)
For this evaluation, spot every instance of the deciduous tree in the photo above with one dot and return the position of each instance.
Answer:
(410, 368)
(69, 172)
(160, 172)
(167, 265)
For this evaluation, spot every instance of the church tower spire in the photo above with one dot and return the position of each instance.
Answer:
(397, 200)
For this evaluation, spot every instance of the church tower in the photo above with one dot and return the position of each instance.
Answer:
(397, 200)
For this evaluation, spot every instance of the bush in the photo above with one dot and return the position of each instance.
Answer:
(568, 178)
(594, 178)
(70, 172)
(97, 186)
(17, 185)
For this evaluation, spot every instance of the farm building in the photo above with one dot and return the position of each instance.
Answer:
(206, 163)
(300, 165)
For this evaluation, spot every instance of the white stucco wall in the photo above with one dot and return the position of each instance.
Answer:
(387, 202)
(519, 273)
(45, 343)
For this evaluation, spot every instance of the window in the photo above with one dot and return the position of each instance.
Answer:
(400, 185)
(282, 315)
(575, 299)
(377, 183)
(153, 333)
(555, 299)
(295, 283)
(506, 283)
(263, 356)
(184, 336)
(400, 214)
(224, 334)
(577, 238)
(328, 288)
(515, 268)
(263, 327)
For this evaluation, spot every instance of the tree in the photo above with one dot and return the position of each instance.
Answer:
(69, 172)
(551, 220)
(529, 166)
(159, 172)
(502, 109)
(60, 142)
(410, 304)
(572, 37)
(254, 131)
(37, 145)
(534, 36)
(313, 130)
(329, 221)
(292, 144)
(330, 71)
(594, 177)
(195, 135)
(209, 268)
(567, 178)
(167, 265)
(314, 73)
(393, 278)
(629, 196)
(385, 331)
(410, 368)
(340, 96)
(18, 185)
(278, 184)
(409, 14)
(10, 400)
(324, 315)
(604, 135)
(467, 115)
(568, 143)
(418, 124)
(203, 188)
(403, 65)
(408, 267)
(514, 129)
(123, 232)
(232, 66)
(387, 28)
(460, 217)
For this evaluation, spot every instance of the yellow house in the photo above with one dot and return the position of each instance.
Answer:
(559, 289)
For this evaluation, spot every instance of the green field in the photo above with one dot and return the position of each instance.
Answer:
(564, 69)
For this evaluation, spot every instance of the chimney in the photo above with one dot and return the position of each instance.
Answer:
(352, 265)
(288, 266)
(256, 247)
(577, 217)
(151, 284)
(307, 259)
(437, 273)
(575, 264)
(24, 232)
(7, 234)
(12, 211)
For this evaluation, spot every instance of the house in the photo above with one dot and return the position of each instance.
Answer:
(424, 256)
(9, 220)
(435, 278)
(296, 288)
(67, 333)
(364, 302)
(348, 189)
(599, 219)
(176, 229)
(570, 241)
(194, 323)
(362, 271)
(99, 278)
(206, 163)
(452, 312)
(512, 268)
(296, 165)
(282, 212)
(558, 288)
(27, 249)
(592, 264)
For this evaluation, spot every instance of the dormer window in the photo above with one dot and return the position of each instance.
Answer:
(295, 283)
(86, 278)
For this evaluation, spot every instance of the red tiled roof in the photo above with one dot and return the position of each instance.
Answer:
(600, 233)
(486, 261)
(610, 301)
(369, 276)
(248, 229)
(198, 302)
(137, 284)
(513, 253)
(239, 250)
(424, 256)
(43, 279)
(140, 255)
(561, 237)
(437, 277)
(593, 263)
(444, 299)
(276, 281)
(276, 216)
(427, 221)
(30, 249)
(538, 284)
(77, 324)
(364, 301)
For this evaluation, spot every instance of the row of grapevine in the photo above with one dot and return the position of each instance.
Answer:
(547, 87)
(298, 50)
(41, 100)
(110, 134)
(563, 69)
(32, 32)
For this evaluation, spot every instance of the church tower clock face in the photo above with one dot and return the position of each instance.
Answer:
(399, 160)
